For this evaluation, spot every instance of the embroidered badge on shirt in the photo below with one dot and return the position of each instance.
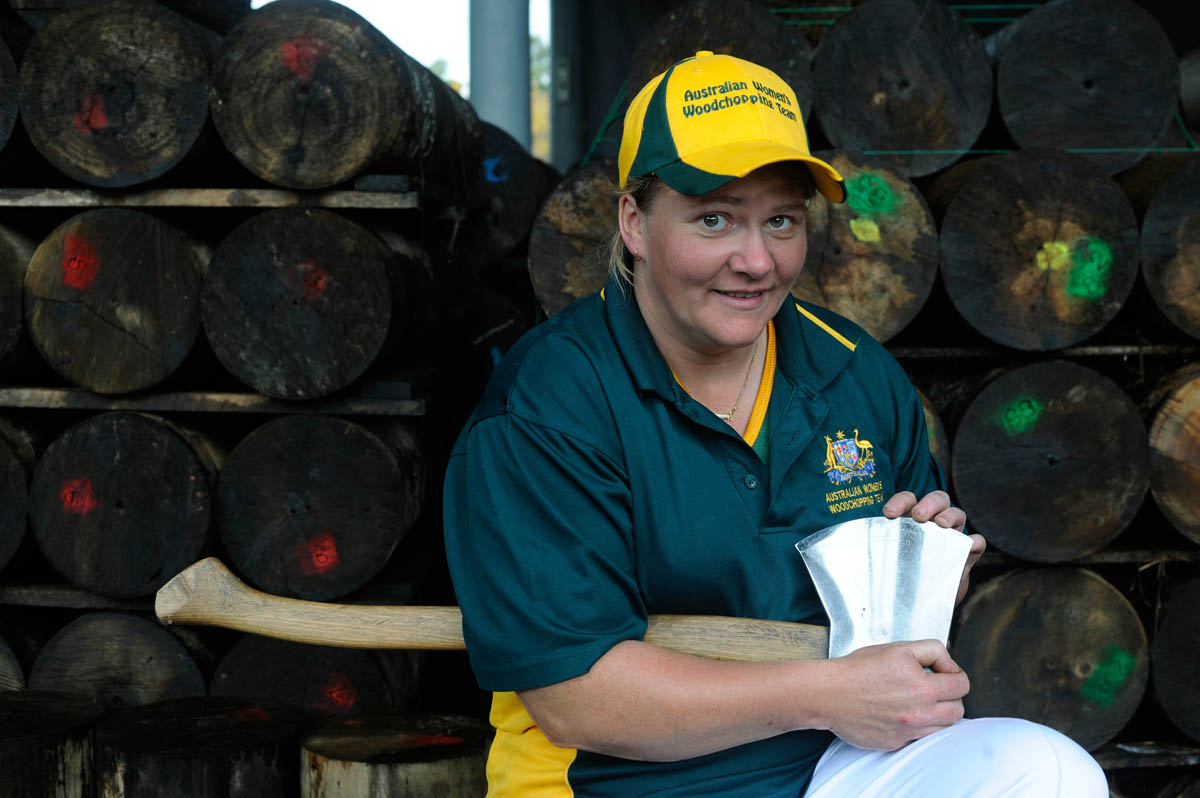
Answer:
(846, 460)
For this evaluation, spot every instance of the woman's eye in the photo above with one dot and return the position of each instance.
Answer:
(779, 222)
(713, 221)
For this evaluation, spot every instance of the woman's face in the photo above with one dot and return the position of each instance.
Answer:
(716, 268)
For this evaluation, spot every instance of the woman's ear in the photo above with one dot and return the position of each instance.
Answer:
(631, 221)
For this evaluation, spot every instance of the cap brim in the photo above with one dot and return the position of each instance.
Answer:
(740, 159)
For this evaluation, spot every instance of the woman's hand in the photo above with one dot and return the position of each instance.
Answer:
(884, 698)
(936, 507)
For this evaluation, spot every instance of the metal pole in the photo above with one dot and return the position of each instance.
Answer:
(566, 95)
(500, 65)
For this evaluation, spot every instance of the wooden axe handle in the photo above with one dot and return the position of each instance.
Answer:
(206, 593)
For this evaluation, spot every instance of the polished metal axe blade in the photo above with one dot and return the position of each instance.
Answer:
(883, 580)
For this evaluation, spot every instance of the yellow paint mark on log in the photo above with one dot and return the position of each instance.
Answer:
(865, 230)
(1053, 255)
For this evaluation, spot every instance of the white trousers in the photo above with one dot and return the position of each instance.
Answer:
(980, 758)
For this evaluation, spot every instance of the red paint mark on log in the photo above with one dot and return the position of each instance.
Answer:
(339, 692)
(302, 54)
(253, 714)
(80, 263)
(93, 116)
(317, 556)
(316, 279)
(78, 497)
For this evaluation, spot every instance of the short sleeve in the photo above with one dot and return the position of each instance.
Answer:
(538, 539)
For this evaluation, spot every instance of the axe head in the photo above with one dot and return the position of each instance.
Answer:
(883, 580)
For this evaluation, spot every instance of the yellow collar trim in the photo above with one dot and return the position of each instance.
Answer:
(759, 413)
(836, 335)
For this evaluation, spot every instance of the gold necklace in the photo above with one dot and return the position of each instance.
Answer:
(745, 382)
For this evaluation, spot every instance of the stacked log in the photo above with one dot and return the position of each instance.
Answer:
(1175, 458)
(120, 503)
(318, 681)
(1175, 656)
(217, 15)
(296, 303)
(923, 94)
(112, 299)
(568, 246)
(1051, 461)
(1170, 245)
(16, 250)
(11, 675)
(1099, 76)
(114, 94)
(731, 27)
(395, 755)
(874, 258)
(10, 93)
(199, 747)
(15, 468)
(117, 660)
(306, 93)
(313, 506)
(46, 745)
(1059, 646)
(1038, 250)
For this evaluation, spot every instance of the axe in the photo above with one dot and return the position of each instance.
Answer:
(207, 593)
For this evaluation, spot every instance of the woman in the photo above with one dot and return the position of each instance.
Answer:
(660, 448)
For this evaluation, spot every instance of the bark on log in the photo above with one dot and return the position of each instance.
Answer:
(112, 299)
(1059, 646)
(1038, 250)
(16, 250)
(46, 745)
(305, 93)
(118, 660)
(200, 748)
(873, 259)
(1051, 461)
(1175, 458)
(317, 680)
(731, 27)
(1094, 75)
(313, 506)
(397, 756)
(1170, 247)
(1175, 657)
(568, 255)
(924, 92)
(296, 303)
(115, 93)
(120, 503)
(11, 675)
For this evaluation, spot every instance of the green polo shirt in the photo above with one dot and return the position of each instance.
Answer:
(588, 490)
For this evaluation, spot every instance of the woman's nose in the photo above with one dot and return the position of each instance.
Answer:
(753, 258)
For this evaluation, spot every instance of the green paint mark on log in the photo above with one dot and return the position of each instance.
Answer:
(1020, 415)
(868, 194)
(1092, 261)
(1109, 677)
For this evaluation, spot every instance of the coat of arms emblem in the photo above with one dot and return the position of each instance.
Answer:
(848, 458)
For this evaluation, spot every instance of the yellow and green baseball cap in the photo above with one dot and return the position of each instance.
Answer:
(713, 118)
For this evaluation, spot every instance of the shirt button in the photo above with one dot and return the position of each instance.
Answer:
(751, 481)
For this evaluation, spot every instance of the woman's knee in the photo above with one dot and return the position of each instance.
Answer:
(1037, 760)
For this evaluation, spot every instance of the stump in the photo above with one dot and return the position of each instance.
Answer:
(114, 94)
(11, 675)
(1170, 247)
(120, 503)
(46, 745)
(873, 259)
(568, 247)
(909, 77)
(1058, 646)
(119, 660)
(305, 93)
(313, 506)
(732, 27)
(1096, 76)
(317, 680)
(1175, 458)
(15, 253)
(296, 303)
(112, 299)
(200, 748)
(1050, 461)
(1175, 666)
(396, 756)
(1038, 250)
